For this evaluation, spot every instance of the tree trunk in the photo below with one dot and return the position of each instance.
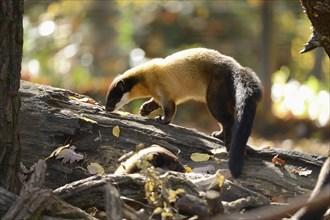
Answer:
(267, 53)
(11, 43)
(318, 12)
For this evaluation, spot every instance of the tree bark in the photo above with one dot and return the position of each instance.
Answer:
(318, 12)
(11, 43)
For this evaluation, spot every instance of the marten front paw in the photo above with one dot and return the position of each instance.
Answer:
(148, 107)
(144, 111)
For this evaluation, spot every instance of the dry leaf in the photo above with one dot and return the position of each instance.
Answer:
(122, 113)
(73, 98)
(305, 172)
(278, 161)
(300, 171)
(167, 214)
(116, 131)
(171, 195)
(188, 169)
(157, 211)
(85, 119)
(85, 99)
(199, 157)
(57, 151)
(221, 151)
(69, 155)
(88, 120)
(220, 179)
(95, 168)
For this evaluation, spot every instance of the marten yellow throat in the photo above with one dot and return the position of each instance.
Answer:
(230, 91)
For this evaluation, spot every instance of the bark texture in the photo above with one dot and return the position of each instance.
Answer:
(11, 43)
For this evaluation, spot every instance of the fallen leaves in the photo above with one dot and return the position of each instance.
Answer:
(301, 171)
(200, 157)
(84, 100)
(173, 194)
(278, 161)
(122, 113)
(95, 168)
(188, 169)
(57, 151)
(85, 118)
(69, 155)
(116, 131)
(220, 179)
(66, 153)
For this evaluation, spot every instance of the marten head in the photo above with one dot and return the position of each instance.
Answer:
(119, 92)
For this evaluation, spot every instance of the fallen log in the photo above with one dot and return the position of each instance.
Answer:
(52, 117)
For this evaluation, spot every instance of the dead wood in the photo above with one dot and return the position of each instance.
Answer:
(52, 117)
(6, 200)
(279, 212)
(113, 203)
(35, 201)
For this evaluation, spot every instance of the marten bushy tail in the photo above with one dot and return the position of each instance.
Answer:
(241, 132)
(248, 93)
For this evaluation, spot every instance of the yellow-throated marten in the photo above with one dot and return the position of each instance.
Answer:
(230, 91)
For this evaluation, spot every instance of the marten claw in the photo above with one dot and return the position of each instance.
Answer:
(161, 119)
(219, 134)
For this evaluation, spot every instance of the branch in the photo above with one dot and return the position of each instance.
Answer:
(34, 201)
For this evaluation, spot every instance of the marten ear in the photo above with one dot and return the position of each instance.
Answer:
(120, 85)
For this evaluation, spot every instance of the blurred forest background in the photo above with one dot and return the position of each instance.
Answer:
(82, 45)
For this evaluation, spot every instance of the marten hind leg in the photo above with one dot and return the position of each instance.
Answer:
(221, 107)
(219, 134)
(222, 115)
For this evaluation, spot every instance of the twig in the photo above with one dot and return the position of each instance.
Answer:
(113, 203)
